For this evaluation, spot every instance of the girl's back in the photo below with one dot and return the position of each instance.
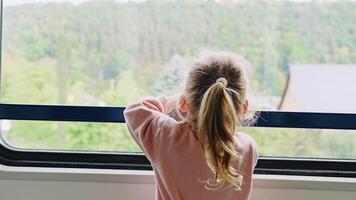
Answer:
(182, 159)
(176, 156)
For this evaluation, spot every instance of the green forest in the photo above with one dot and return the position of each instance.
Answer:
(110, 53)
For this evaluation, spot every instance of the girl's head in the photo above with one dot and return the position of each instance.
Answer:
(215, 98)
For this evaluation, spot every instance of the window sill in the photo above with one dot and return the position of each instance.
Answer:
(147, 177)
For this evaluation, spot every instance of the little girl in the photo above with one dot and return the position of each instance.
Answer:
(201, 156)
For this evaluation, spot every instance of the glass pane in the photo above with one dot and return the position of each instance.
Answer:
(85, 52)
(74, 136)
(112, 52)
(67, 136)
(308, 143)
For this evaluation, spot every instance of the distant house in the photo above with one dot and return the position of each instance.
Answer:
(320, 88)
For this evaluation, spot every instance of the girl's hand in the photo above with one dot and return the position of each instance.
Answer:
(169, 103)
(172, 107)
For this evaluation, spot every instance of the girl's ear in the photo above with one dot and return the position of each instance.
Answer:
(183, 106)
(245, 107)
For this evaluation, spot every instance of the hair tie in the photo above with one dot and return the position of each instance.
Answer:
(222, 80)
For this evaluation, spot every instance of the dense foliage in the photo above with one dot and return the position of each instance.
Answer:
(107, 53)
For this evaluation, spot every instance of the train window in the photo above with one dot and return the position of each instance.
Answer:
(105, 53)
(86, 52)
(276, 142)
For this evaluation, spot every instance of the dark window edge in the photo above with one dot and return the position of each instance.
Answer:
(131, 161)
(135, 161)
(114, 114)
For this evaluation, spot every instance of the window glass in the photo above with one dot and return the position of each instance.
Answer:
(306, 143)
(76, 136)
(82, 52)
(111, 52)
(113, 137)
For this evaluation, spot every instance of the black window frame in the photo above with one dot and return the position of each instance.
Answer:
(137, 161)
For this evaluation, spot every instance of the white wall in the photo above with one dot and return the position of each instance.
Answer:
(18, 183)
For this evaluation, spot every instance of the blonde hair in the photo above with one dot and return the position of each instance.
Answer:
(215, 90)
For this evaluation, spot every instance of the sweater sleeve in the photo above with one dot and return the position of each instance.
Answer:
(255, 151)
(144, 120)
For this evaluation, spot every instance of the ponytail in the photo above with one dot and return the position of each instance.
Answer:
(217, 122)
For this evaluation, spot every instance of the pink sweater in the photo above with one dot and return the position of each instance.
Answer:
(176, 156)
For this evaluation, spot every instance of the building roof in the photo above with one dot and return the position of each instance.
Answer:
(320, 88)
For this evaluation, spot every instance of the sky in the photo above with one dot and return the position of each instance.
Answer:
(76, 2)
